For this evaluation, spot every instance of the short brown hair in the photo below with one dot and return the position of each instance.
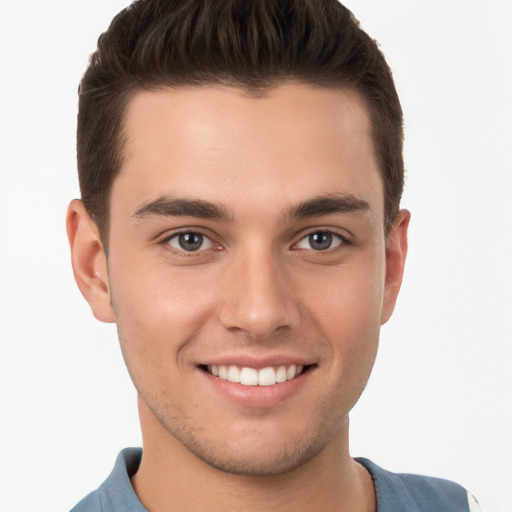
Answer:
(251, 44)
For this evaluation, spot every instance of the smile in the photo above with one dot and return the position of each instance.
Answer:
(247, 376)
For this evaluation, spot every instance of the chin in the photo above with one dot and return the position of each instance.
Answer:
(257, 460)
(259, 451)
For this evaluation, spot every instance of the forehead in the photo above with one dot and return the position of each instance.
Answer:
(220, 144)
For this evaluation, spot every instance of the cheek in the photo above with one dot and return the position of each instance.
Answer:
(158, 312)
(348, 299)
(346, 311)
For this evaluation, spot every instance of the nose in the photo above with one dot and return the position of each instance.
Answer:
(258, 297)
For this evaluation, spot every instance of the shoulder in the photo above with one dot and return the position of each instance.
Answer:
(91, 503)
(116, 494)
(402, 492)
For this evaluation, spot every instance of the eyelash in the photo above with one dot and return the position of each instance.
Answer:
(336, 237)
(343, 241)
(182, 252)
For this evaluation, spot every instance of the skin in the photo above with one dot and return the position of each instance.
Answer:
(256, 288)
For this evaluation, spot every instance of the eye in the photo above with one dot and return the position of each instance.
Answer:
(320, 241)
(189, 241)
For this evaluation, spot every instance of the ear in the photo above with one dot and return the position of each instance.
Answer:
(396, 252)
(89, 261)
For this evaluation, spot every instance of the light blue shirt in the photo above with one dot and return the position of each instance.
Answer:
(395, 492)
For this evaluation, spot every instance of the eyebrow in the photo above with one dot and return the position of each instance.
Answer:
(328, 205)
(166, 206)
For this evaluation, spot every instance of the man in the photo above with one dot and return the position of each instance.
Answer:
(241, 170)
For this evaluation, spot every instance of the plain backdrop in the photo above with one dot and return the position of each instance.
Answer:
(440, 399)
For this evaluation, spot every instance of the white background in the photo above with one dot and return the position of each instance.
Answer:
(440, 400)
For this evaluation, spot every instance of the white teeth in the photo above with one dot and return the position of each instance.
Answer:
(267, 377)
(233, 374)
(223, 372)
(251, 377)
(281, 374)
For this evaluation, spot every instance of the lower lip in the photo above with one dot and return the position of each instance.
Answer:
(257, 396)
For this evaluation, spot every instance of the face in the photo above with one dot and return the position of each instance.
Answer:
(248, 269)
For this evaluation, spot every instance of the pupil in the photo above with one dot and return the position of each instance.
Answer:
(191, 241)
(320, 241)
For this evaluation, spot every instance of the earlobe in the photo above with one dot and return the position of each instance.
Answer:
(89, 261)
(396, 253)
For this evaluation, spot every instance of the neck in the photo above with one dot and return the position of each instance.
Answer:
(171, 477)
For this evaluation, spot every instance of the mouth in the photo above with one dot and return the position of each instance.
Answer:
(247, 376)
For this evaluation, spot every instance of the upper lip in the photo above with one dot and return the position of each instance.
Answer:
(256, 362)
